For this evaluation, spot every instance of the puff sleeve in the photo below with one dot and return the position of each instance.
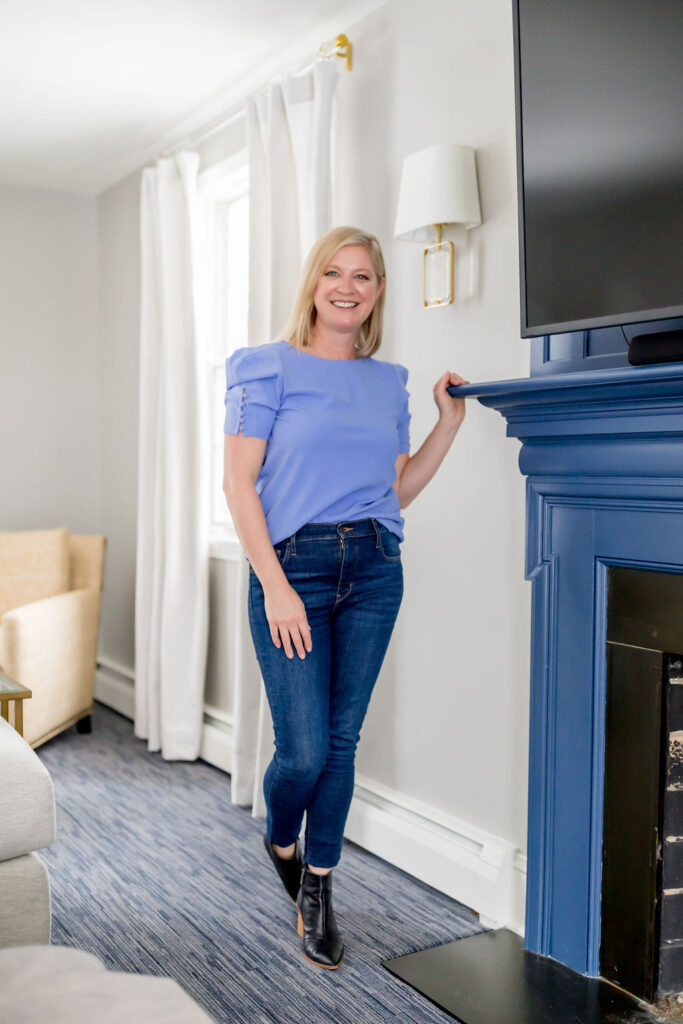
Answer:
(253, 391)
(404, 411)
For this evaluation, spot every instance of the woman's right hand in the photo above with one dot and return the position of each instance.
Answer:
(287, 619)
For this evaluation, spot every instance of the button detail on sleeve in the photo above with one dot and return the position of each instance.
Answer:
(254, 373)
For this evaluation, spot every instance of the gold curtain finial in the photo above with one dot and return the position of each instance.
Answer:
(341, 47)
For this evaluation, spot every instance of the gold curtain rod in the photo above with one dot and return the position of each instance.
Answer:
(340, 47)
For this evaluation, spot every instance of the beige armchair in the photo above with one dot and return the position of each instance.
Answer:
(50, 595)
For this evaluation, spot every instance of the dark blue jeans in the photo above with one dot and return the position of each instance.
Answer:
(350, 579)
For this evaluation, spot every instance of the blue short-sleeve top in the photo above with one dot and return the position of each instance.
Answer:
(334, 428)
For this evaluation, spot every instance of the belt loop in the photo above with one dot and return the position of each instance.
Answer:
(292, 543)
(374, 523)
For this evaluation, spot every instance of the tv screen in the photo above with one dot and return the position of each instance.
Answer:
(599, 90)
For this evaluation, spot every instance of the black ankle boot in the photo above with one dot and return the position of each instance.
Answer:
(289, 869)
(323, 945)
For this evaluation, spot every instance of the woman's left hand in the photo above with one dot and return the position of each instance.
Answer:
(451, 410)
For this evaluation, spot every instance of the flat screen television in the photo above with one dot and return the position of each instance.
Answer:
(599, 98)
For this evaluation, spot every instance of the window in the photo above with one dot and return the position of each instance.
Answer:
(223, 292)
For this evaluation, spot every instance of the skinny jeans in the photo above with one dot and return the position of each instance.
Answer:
(350, 579)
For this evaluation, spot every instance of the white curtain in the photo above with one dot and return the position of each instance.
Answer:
(289, 139)
(171, 592)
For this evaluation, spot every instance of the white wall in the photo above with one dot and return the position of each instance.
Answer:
(448, 723)
(50, 459)
(447, 728)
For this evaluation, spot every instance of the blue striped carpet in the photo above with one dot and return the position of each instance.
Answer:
(154, 871)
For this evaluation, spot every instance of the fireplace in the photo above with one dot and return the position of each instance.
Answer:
(603, 454)
(641, 946)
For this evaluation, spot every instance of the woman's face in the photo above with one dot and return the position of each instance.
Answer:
(347, 290)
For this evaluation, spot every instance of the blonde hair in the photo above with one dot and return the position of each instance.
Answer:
(298, 328)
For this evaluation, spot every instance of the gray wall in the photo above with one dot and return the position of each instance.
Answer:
(448, 722)
(50, 407)
(119, 316)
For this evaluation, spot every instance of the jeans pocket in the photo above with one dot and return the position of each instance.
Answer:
(282, 551)
(390, 545)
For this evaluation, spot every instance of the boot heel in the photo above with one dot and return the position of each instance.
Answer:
(300, 926)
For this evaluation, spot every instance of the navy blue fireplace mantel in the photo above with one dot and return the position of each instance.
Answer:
(603, 453)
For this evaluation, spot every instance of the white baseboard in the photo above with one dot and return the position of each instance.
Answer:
(483, 871)
(114, 686)
(474, 867)
(217, 739)
(516, 922)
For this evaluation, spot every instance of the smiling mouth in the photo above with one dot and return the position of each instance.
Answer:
(344, 305)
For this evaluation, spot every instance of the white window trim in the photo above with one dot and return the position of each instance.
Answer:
(225, 181)
(225, 546)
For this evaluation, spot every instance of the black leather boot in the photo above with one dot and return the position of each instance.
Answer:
(289, 870)
(323, 945)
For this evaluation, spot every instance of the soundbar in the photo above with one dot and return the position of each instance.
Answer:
(664, 347)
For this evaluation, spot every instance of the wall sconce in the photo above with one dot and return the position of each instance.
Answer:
(438, 187)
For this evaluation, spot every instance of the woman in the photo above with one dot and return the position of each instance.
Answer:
(316, 472)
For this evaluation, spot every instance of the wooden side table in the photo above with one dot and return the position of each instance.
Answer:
(14, 693)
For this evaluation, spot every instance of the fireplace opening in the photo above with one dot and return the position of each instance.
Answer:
(641, 936)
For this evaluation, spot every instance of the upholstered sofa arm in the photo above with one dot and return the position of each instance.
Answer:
(67, 986)
(51, 647)
(27, 798)
(51, 628)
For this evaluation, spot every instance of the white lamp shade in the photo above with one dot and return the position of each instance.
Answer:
(438, 186)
